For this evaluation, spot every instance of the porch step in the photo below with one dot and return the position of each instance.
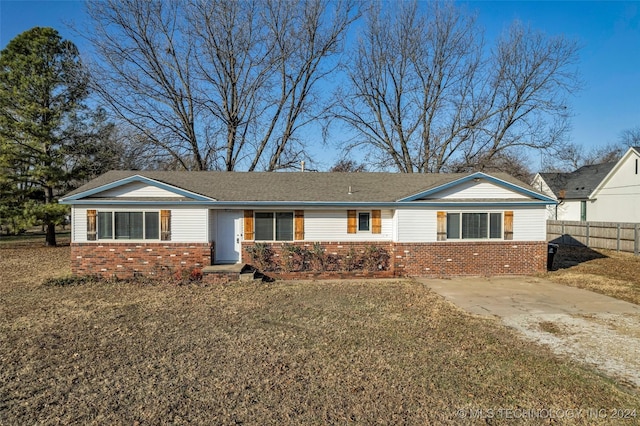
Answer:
(245, 273)
(250, 273)
(224, 268)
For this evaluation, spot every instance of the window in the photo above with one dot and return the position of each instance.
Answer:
(474, 226)
(364, 221)
(583, 211)
(368, 221)
(129, 225)
(274, 226)
(453, 225)
(105, 225)
(151, 228)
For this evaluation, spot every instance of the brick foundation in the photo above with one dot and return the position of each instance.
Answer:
(470, 258)
(406, 259)
(481, 258)
(148, 259)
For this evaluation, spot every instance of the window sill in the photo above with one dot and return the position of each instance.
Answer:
(473, 240)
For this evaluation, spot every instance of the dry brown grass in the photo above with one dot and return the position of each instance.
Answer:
(25, 264)
(551, 327)
(283, 353)
(616, 274)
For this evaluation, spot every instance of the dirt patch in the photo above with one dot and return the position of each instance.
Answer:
(608, 342)
(552, 327)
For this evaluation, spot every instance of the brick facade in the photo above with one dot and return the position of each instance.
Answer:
(439, 259)
(479, 258)
(148, 259)
(470, 258)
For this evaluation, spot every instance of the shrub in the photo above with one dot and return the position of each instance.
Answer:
(352, 261)
(375, 259)
(72, 280)
(184, 276)
(293, 258)
(261, 255)
(317, 258)
(195, 275)
(332, 262)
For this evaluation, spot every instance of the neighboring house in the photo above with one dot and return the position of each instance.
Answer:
(607, 192)
(127, 222)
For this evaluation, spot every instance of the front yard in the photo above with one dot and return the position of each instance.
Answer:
(282, 353)
(616, 274)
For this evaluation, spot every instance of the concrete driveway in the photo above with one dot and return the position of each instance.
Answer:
(599, 330)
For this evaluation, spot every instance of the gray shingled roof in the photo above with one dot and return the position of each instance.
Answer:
(294, 186)
(578, 184)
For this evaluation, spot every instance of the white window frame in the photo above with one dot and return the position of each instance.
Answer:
(113, 225)
(363, 231)
(488, 237)
(275, 230)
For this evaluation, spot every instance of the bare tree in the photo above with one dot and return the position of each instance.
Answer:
(219, 84)
(426, 95)
(574, 156)
(571, 156)
(630, 137)
(527, 105)
(349, 166)
(145, 75)
(405, 83)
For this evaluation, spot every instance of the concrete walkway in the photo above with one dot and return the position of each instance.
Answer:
(596, 329)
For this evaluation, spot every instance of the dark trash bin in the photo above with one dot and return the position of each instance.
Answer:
(552, 249)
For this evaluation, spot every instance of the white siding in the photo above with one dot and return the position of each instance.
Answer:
(570, 210)
(394, 234)
(529, 224)
(420, 225)
(417, 225)
(477, 190)
(619, 198)
(553, 209)
(331, 225)
(188, 224)
(193, 224)
(136, 189)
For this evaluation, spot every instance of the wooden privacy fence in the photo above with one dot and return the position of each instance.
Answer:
(604, 235)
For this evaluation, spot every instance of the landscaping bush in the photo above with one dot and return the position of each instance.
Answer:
(296, 258)
(292, 258)
(375, 259)
(72, 280)
(317, 258)
(261, 255)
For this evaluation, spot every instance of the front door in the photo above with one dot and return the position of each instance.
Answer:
(228, 236)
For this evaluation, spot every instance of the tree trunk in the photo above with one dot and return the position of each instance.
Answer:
(51, 234)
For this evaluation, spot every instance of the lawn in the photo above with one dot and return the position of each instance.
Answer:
(363, 352)
(616, 274)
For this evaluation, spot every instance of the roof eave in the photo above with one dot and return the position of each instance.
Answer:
(480, 175)
(131, 179)
(271, 204)
(613, 171)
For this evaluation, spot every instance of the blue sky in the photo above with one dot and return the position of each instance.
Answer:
(609, 33)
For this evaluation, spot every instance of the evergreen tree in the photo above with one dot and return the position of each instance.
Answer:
(42, 88)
